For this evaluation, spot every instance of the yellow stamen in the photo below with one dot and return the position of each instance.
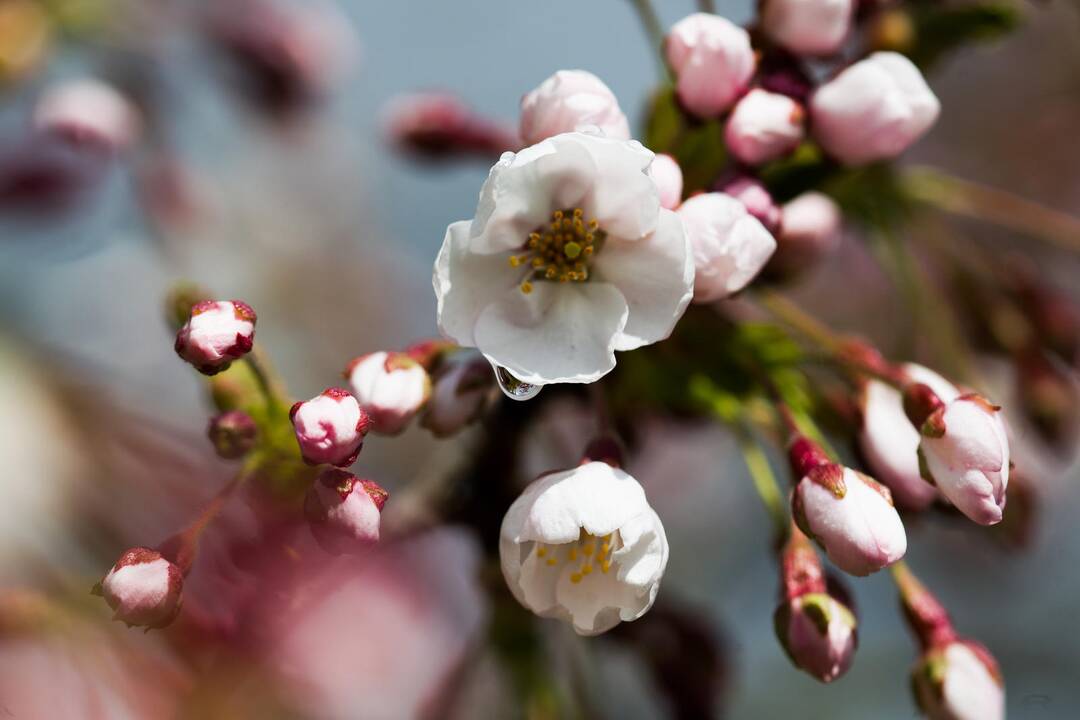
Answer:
(526, 287)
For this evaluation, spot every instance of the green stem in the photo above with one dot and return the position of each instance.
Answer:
(267, 387)
(998, 207)
(768, 489)
(654, 33)
(806, 324)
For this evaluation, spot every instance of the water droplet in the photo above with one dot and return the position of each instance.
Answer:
(513, 388)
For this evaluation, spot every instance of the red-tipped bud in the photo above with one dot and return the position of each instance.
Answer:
(216, 333)
(818, 633)
(920, 404)
(391, 388)
(330, 428)
(143, 588)
(344, 512)
(232, 434)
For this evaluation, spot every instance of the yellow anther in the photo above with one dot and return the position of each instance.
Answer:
(538, 262)
(589, 249)
(541, 551)
(605, 548)
(558, 214)
(526, 287)
(573, 553)
(578, 212)
(605, 566)
(586, 569)
(551, 272)
(551, 561)
(593, 224)
(575, 578)
(589, 548)
(515, 260)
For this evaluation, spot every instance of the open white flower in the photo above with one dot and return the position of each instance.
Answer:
(569, 258)
(583, 545)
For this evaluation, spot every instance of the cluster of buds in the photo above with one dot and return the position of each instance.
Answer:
(954, 678)
(815, 627)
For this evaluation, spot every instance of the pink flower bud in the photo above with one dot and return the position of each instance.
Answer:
(330, 428)
(959, 681)
(851, 517)
(809, 231)
(143, 588)
(233, 434)
(873, 110)
(764, 126)
(807, 27)
(730, 246)
(344, 512)
(568, 100)
(667, 175)
(752, 194)
(818, 633)
(438, 125)
(391, 388)
(462, 389)
(87, 111)
(890, 443)
(712, 61)
(965, 452)
(218, 332)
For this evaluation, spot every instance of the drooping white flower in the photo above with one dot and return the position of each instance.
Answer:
(390, 387)
(713, 62)
(730, 246)
(873, 110)
(583, 545)
(889, 441)
(143, 588)
(965, 451)
(959, 681)
(569, 259)
(216, 333)
(570, 100)
(330, 427)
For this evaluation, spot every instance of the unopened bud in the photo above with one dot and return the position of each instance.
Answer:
(232, 434)
(330, 428)
(959, 681)
(764, 126)
(567, 101)
(809, 232)
(818, 633)
(88, 112)
(344, 512)
(756, 198)
(391, 388)
(143, 588)
(461, 391)
(807, 27)
(712, 60)
(216, 333)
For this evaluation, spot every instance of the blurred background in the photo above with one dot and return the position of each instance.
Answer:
(310, 216)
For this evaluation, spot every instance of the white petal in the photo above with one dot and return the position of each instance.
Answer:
(624, 199)
(655, 276)
(970, 692)
(595, 603)
(523, 190)
(537, 582)
(465, 283)
(555, 508)
(560, 332)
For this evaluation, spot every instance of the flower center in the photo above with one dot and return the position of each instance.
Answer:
(588, 550)
(560, 250)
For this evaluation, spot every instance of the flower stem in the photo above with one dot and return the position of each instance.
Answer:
(266, 384)
(184, 545)
(768, 489)
(999, 207)
(654, 32)
(806, 324)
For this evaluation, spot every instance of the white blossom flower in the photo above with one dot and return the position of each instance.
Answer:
(965, 451)
(143, 588)
(889, 441)
(570, 100)
(730, 246)
(583, 545)
(569, 259)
